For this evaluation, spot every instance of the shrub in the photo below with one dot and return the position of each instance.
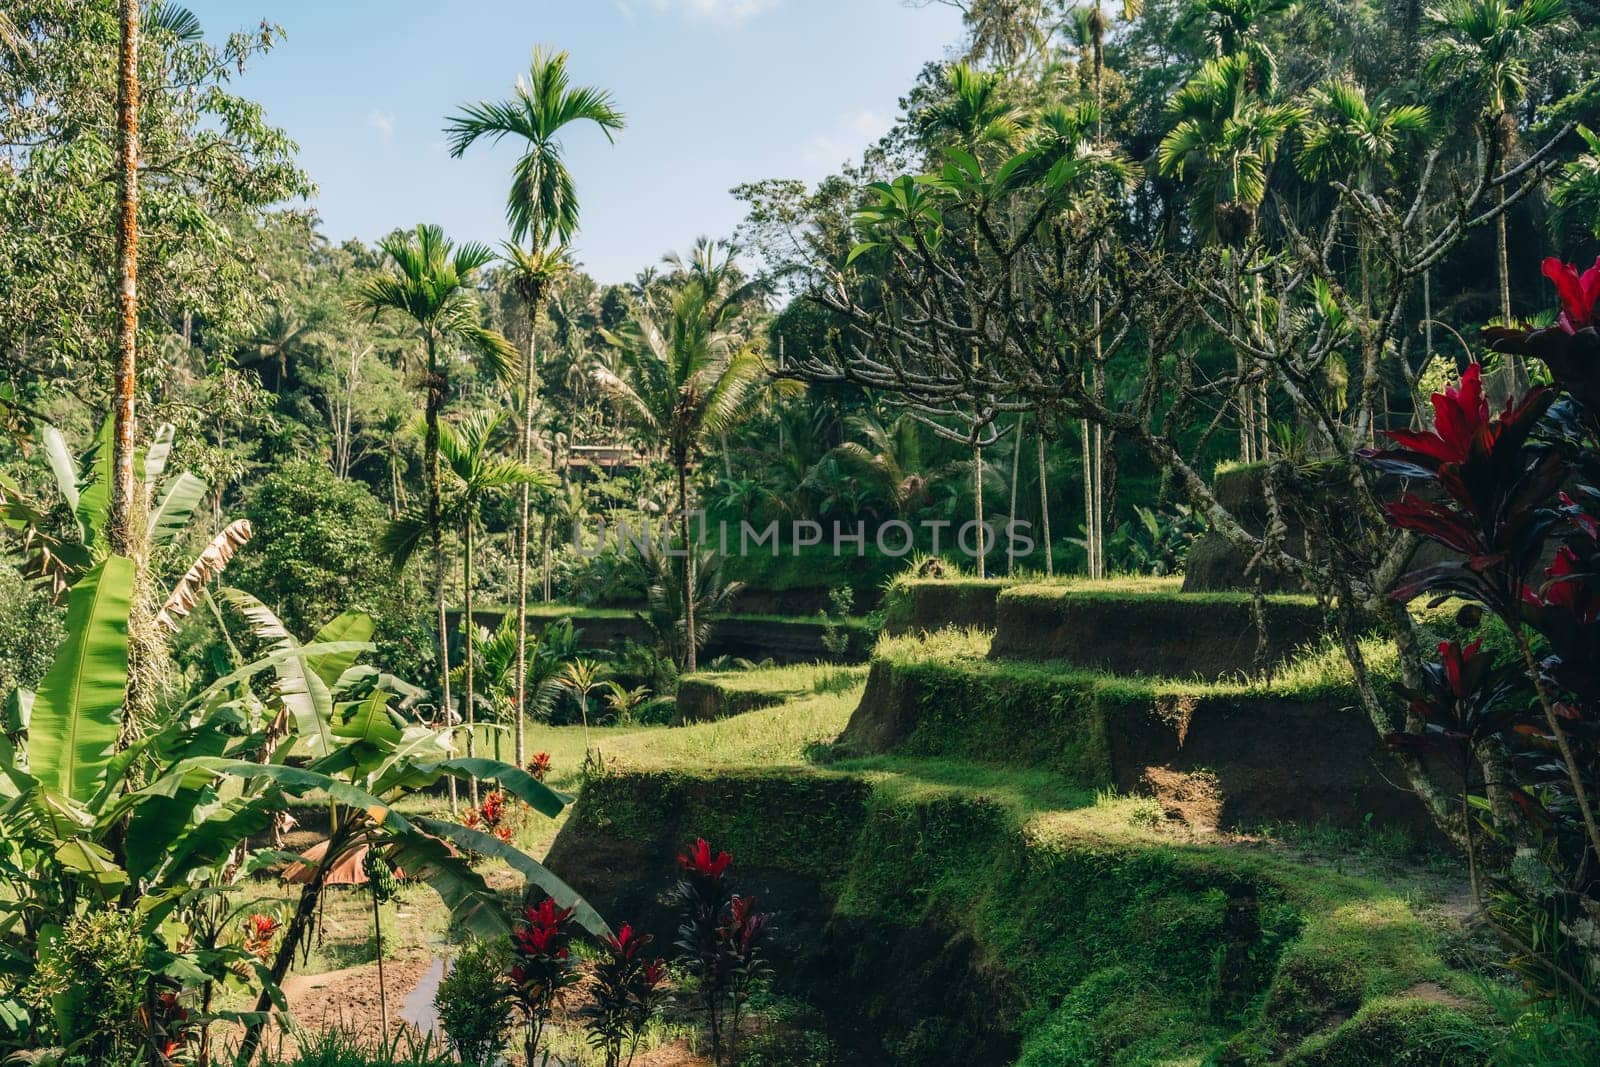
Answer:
(1504, 493)
(472, 1005)
(624, 995)
(541, 967)
(89, 986)
(720, 940)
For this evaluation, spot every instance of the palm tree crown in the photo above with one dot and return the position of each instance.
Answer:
(432, 284)
(1224, 139)
(1484, 48)
(688, 379)
(1347, 136)
(542, 201)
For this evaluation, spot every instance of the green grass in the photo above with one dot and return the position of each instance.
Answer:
(1112, 924)
(1138, 587)
(1314, 672)
(1112, 928)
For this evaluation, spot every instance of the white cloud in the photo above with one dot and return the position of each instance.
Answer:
(845, 140)
(727, 11)
(383, 122)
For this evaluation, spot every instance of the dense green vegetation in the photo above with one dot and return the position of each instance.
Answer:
(326, 563)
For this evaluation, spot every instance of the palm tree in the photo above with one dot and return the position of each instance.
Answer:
(1230, 28)
(713, 265)
(687, 382)
(431, 284)
(974, 113)
(542, 202)
(1483, 54)
(542, 205)
(1224, 138)
(1577, 192)
(890, 456)
(976, 116)
(476, 474)
(582, 677)
(1345, 138)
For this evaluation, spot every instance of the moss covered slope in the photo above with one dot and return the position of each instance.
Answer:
(957, 905)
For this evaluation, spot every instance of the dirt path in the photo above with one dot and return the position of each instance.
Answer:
(348, 999)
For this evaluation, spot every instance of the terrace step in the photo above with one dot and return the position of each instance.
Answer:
(1151, 629)
(1215, 755)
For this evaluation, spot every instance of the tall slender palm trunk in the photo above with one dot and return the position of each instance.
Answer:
(430, 461)
(1044, 512)
(121, 526)
(467, 638)
(524, 527)
(692, 660)
(977, 507)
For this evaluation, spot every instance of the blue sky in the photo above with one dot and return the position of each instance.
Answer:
(716, 92)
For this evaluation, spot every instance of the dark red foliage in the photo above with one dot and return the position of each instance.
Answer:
(1578, 292)
(541, 966)
(539, 765)
(623, 994)
(1571, 348)
(1489, 480)
(698, 861)
(1462, 702)
(1495, 491)
(719, 940)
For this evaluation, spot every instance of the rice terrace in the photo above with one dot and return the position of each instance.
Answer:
(746, 533)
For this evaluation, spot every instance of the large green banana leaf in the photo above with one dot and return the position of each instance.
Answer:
(78, 706)
(170, 514)
(531, 870)
(306, 696)
(351, 626)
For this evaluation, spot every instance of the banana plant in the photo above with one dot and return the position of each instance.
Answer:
(163, 825)
(84, 488)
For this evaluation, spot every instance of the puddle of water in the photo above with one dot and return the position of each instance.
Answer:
(418, 1009)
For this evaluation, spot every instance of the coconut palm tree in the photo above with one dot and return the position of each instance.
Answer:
(1223, 140)
(542, 209)
(476, 474)
(1345, 138)
(713, 265)
(1232, 28)
(687, 381)
(430, 282)
(1482, 54)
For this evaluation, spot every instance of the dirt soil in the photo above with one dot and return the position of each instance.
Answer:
(347, 1000)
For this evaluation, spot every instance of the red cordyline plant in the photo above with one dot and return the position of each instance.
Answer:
(624, 997)
(259, 933)
(720, 941)
(541, 967)
(1510, 495)
(492, 816)
(539, 765)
